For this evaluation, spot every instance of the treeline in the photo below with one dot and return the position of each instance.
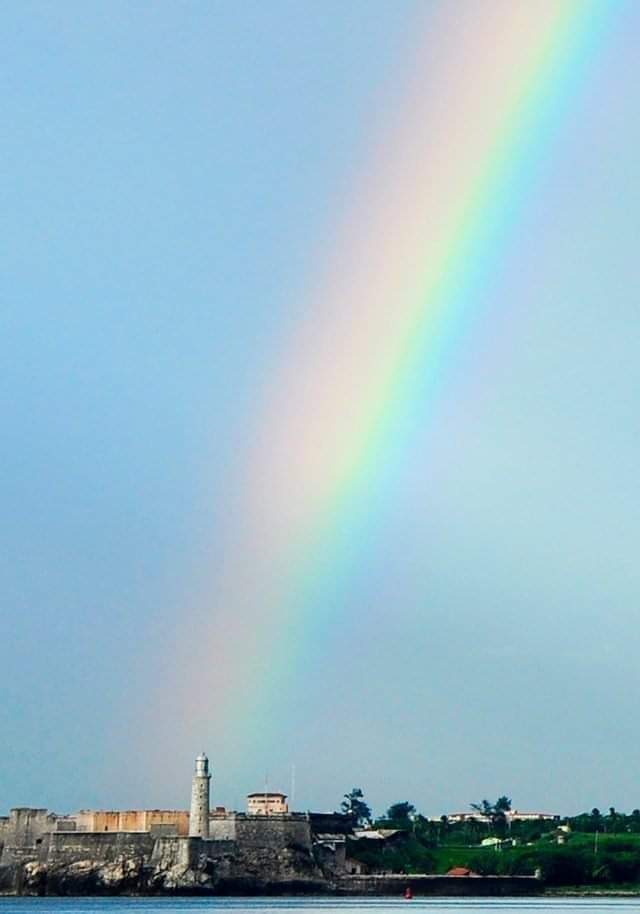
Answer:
(485, 819)
(593, 848)
(612, 823)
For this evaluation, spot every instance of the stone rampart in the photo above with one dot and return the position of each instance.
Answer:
(24, 830)
(273, 832)
(5, 831)
(223, 827)
(101, 847)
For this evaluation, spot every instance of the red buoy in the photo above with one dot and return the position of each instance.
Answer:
(408, 894)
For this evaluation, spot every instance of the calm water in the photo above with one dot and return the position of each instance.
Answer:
(319, 906)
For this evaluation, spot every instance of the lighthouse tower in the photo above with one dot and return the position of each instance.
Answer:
(199, 818)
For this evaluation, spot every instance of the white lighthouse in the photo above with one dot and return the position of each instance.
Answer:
(199, 818)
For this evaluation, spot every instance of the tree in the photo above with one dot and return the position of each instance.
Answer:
(613, 820)
(484, 807)
(502, 804)
(401, 813)
(354, 805)
(495, 812)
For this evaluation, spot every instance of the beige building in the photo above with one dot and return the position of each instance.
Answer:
(267, 804)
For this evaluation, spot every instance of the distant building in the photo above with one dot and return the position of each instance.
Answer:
(499, 844)
(455, 817)
(267, 804)
(512, 815)
(490, 842)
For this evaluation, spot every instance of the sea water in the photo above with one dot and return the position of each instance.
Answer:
(600, 905)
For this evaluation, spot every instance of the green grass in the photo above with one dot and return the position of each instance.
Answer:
(616, 863)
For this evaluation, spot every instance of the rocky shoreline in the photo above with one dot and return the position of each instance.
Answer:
(88, 878)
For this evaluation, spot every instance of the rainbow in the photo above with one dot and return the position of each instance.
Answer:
(461, 140)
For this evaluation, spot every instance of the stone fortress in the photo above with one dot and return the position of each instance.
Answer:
(266, 850)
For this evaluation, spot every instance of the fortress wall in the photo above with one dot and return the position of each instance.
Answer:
(84, 820)
(108, 847)
(90, 820)
(172, 851)
(132, 820)
(5, 831)
(66, 823)
(25, 827)
(274, 832)
(101, 847)
(222, 828)
(169, 818)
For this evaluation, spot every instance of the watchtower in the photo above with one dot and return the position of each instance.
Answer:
(199, 817)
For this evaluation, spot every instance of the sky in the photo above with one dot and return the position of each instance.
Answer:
(213, 220)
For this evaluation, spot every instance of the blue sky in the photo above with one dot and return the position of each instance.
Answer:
(171, 174)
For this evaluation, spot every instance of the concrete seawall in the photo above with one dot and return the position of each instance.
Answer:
(456, 886)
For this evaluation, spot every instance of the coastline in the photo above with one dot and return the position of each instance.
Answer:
(590, 892)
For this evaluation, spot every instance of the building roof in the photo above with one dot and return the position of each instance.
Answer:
(267, 793)
(377, 834)
(331, 838)
(508, 814)
(515, 813)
